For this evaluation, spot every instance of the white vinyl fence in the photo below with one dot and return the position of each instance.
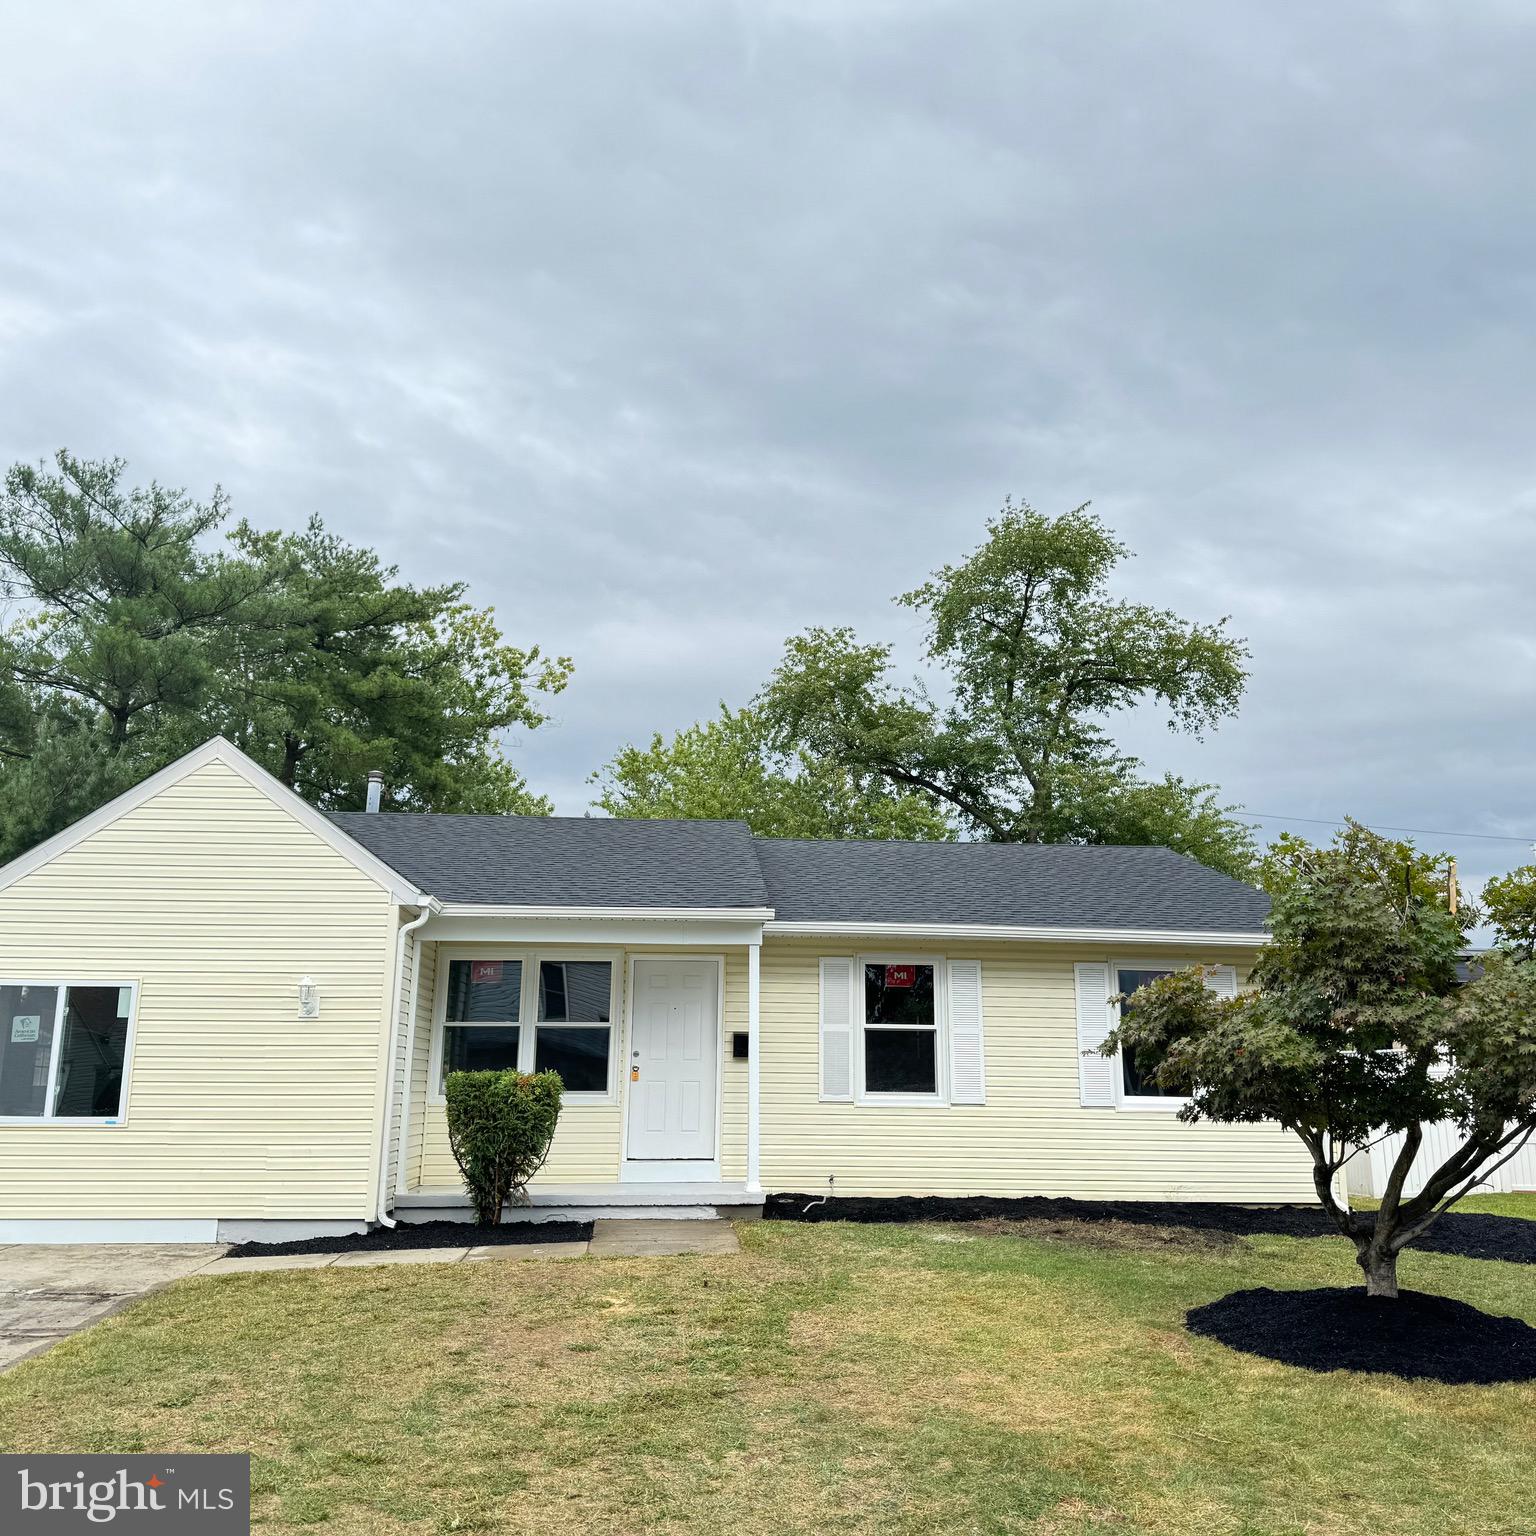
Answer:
(1369, 1171)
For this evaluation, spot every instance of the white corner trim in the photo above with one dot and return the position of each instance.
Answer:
(1183, 937)
(754, 1069)
(218, 750)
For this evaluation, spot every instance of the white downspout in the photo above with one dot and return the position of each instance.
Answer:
(410, 1067)
(382, 1212)
(754, 1069)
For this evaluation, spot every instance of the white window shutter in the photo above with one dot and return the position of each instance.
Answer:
(837, 1029)
(967, 1060)
(1222, 980)
(1095, 1073)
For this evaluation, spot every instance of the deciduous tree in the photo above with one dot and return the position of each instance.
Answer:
(1036, 656)
(728, 768)
(1509, 903)
(1360, 1021)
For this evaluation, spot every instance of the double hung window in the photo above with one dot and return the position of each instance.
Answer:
(901, 1028)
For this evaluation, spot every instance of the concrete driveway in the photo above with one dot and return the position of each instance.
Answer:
(48, 1292)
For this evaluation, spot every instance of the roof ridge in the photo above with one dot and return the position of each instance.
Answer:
(501, 816)
(961, 842)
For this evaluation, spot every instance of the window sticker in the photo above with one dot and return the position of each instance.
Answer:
(25, 1028)
(485, 970)
(901, 975)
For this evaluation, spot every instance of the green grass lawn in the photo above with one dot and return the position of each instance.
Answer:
(828, 1379)
(1521, 1203)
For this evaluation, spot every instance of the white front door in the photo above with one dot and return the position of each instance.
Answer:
(674, 1038)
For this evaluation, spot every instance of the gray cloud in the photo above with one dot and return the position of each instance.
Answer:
(677, 327)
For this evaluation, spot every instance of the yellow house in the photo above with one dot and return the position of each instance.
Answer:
(227, 1015)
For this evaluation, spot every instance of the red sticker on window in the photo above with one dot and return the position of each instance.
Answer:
(485, 970)
(901, 975)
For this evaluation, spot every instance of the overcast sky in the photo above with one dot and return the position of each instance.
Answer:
(675, 328)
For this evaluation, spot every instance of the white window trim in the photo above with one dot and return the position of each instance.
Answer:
(1141, 1103)
(528, 1006)
(939, 1098)
(63, 983)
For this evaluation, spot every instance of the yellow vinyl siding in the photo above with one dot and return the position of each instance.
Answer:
(1031, 1137)
(589, 1140)
(216, 902)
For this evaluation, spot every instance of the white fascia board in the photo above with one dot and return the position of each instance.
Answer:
(604, 914)
(577, 926)
(1114, 936)
(221, 751)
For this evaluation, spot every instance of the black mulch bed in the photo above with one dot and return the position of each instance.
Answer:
(1466, 1234)
(424, 1234)
(1426, 1338)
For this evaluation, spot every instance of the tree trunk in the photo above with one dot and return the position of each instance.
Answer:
(1380, 1272)
(293, 750)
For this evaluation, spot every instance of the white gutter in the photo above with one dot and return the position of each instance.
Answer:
(606, 914)
(382, 1210)
(1116, 936)
(754, 1070)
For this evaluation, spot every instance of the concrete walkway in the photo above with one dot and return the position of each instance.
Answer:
(380, 1256)
(610, 1240)
(48, 1292)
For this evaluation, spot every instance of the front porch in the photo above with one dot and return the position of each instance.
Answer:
(656, 1017)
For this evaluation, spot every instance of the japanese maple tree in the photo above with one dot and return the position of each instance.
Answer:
(1363, 1019)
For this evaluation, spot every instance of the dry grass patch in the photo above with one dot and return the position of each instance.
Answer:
(1122, 1236)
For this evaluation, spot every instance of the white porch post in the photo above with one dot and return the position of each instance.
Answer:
(754, 1068)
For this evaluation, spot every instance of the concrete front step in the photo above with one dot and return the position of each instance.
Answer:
(654, 1239)
(681, 1200)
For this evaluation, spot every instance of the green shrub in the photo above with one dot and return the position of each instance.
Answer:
(500, 1125)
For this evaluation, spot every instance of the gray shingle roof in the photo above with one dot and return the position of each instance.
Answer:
(1023, 885)
(563, 861)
